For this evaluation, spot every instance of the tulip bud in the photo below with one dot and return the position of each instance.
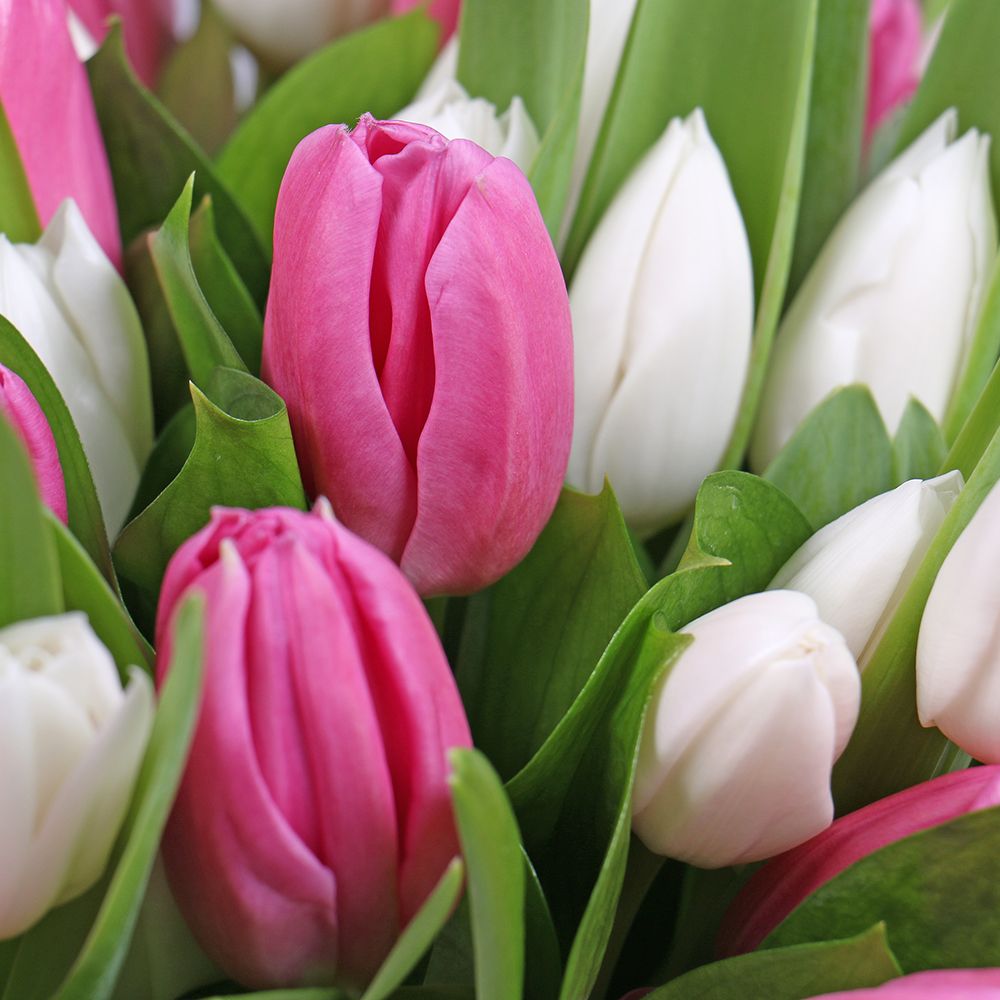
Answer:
(958, 658)
(751, 717)
(22, 409)
(71, 742)
(418, 329)
(314, 817)
(72, 307)
(894, 46)
(955, 984)
(662, 319)
(893, 298)
(445, 12)
(858, 567)
(777, 888)
(450, 111)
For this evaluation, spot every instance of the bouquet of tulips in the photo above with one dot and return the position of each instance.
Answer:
(499, 499)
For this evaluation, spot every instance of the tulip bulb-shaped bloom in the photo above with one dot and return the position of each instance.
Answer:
(858, 567)
(71, 742)
(23, 411)
(314, 816)
(895, 41)
(958, 652)
(449, 110)
(893, 298)
(418, 329)
(751, 718)
(72, 307)
(777, 888)
(662, 319)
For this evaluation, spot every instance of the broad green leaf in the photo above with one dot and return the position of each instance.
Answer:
(93, 974)
(376, 70)
(306, 994)
(491, 845)
(937, 891)
(791, 973)
(839, 457)
(533, 639)
(152, 157)
(168, 456)
(18, 216)
(919, 447)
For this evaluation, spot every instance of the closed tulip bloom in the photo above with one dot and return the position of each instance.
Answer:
(751, 717)
(314, 817)
(858, 567)
(449, 110)
(895, 41)
(662, 318)
(958, 656)
(71, 742)
(777, 888)
(418, 329)
(955, 984)
(70, 304)
(22, 409)
(893, 298)
(445, 12)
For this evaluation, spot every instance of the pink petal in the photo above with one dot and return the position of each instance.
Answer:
(445, 12)
(938, 984)
(895, 39)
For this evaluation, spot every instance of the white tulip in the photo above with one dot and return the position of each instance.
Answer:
(958, 651)
(662, 308)
(70, 304)
(742, 734)
(893, 297)
(454, 114)
(858, 567)
(71, 742)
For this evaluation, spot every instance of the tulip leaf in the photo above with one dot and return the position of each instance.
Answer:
(791, 973)
(532, 640)
(491, 845)
(152, 157)
(912, 885)
(376, 70)
(19, 220)
(95, 970)
(306, 994)
(839, 457)
(919, 447)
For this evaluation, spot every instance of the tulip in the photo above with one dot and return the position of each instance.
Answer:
(71, 742)
(662, 320)
(70, 304)
(314, 816)
(445, 12)
(955, 984)
(751, 718)
(895, 41)
(893, 297)
(958, 659)
(778, 888)
(22, 409)
(418, 328)
(858, 567)
(46, 98)
(450, 111)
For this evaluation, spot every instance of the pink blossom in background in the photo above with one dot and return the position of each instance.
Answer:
(938, 984)
(895, 41)
(444, 11)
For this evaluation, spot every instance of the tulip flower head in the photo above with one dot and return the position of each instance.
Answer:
(935, 984)
(71, 742)
(418, 328)
(895, 40)
(445, 12)
(314, 817)
(751, 718)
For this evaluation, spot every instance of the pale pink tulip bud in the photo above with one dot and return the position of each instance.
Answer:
(894, 44)
(418, 328)
(314, 817)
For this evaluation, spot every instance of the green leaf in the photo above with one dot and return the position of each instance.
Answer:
(839, 457)
(93, 974)
(152, 157)
(919, 447)
(533, 639)
(491, 845)
(18, 215)
(791, 973)
(376, 70)
(913, 885)
(306, 994)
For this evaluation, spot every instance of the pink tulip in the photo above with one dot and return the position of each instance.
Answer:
(314, 816)
(22, 409)
(418, 328)
(777, 888)
(446, 12)
(938, 984)
(894, 43)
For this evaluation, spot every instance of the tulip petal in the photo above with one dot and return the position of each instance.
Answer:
(936, 984)
(445, 12)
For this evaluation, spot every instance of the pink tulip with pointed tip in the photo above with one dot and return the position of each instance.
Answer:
(446, 12)
(418, 328)
(46, 98)
(314, 817)
(938, 984)
(778, 888)
(894, 43)
(22, 409)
